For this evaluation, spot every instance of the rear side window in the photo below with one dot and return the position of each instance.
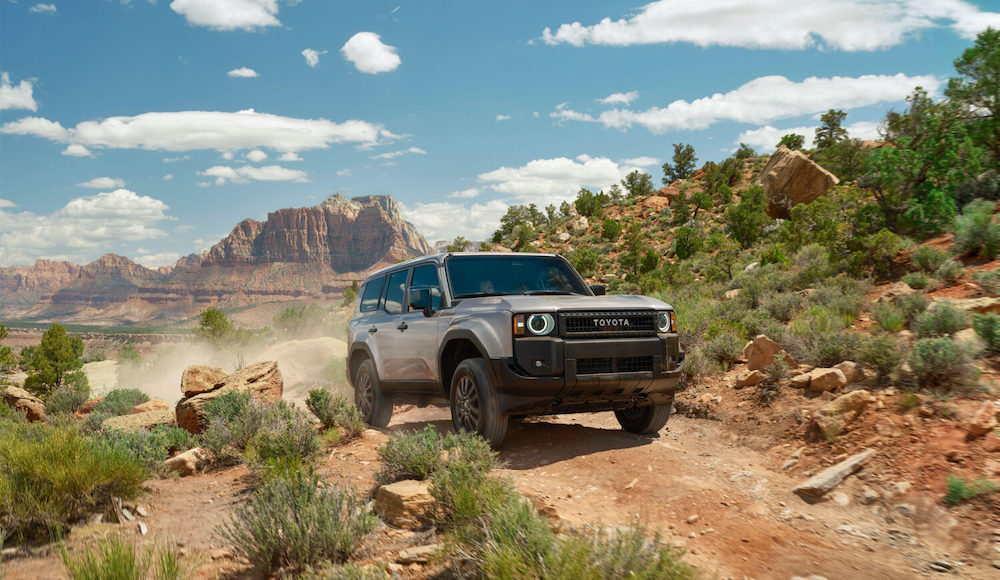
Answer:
(369, 300)
(394, 292)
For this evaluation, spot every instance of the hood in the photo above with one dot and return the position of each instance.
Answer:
(524, 304)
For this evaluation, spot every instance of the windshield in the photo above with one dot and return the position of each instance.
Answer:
(472, 276)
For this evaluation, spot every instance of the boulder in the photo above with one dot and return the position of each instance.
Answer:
(189, 462)
(657, 202)
(749, 379)
(578, 223)
(969, 337)
(731, 294)
(982, 305)
(670, 192)
(983, 421)
(761, 352)
(816, 486)
(150, 405)
(262, 380)
(800, 381)
(563, 237)
(88, 406)
(890, 292)
(791, 178)
(406, 504)
(823, 380)
(853, 372)
(991, 443)
(21, 400)
(201, 379)
(146, 420)
(855, 402)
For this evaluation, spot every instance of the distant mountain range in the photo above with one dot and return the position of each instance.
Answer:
(296, 254)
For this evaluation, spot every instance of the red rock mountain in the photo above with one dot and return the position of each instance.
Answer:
(297, 253)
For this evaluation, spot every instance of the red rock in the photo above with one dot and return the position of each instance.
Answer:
(20, 400)
(984, 420)
(262, 380)
(88, 406)
(791, 178)
(991, 442)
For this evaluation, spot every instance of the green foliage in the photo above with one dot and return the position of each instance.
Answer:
(830, 131)
(286, 435)
(584, 260)
(232, 420)
(977, 88)
(890, 317)
(724, 349)
(113, 558)
(638, 184)
(928, 259)
(129, 356)
(213, 326)
(311, 320)
(53, 475)
(294, 522)
(7, 359)
(701, 200)
(912, 305)
(792, 141)
(350, 294)
(419, 454)
(949, 271)
(336, 410)
(783, 306)
(917, 280)
(687, 241)
(680, 209)
(845, 159)
(942, 320)
(744, 152)
(684, 161)
(960, 490)
(940, 363)
(517, 216)
(120, 401)
(976, 232)
(987, 327)
(747, 219)
(69, 397)
(988, 280)
(611, 229)
(883, 352)
(588, 204)
(149, 448)
(57, 355)
(459, 244)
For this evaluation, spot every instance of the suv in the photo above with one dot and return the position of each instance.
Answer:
(501, 335)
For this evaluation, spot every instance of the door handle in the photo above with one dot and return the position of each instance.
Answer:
(401, 326)
(373, 330)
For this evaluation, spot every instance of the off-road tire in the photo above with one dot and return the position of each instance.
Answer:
(644, 420)
(475, 405)
(375, 407)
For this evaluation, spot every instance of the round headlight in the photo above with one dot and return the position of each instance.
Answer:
(541, 324)
(662, 322)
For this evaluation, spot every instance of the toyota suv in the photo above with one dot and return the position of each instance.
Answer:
(502, 335)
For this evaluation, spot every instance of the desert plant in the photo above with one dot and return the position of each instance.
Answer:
(927, 259)
(783, 306)
(890, 317)
(419, 454)
(942, 320)
(960, 490)
(949, 272)
(348, 571)
(987, 327)
(988, 280)
(725, 349)
(881, 351)
(336, 410)
(120, 401)
(912, 305)
(111, 559)
(940, 363)
(232, 420)
(286, 435)
(68, 397)
(150, 448)
(976, 232)
(52, 361)
(917, 280)
(295, 522)
(909, 401)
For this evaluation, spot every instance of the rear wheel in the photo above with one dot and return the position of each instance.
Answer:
(376, 409)
(644, 420)
(475, 406)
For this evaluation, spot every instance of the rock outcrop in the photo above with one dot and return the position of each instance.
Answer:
(791, 178)
(23, 401)
(761, 352)
(188, 462)
(262, 380)
(406, 504)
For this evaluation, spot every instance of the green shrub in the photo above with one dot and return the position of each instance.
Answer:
(976, 232)
(988, 280)
(890, 317)
(724, 349)
(783, 306)
(349, 571)
(419, 454)
(960, 490)
(584, 260)
(52, 475)
(293, 522)
(940, 363)
(812, 264)
(111, 559)
(927, 259)
(94, 421)
(611, 230)
(232, 420)
(687, 241)
(696, 363)
(286, 434)
(625, 553)
(949, 272)
(881, 351)
(759, 321)
(120, 401)
(68, 397)
(845, 296)
(942, 320)
(917, 280)
(987, 327)
(336, 410)
(150, 448)
(818, 337)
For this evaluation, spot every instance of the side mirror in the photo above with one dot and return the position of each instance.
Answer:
(421, 299)
(599, 289)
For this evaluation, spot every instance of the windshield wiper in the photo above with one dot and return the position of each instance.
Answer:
(479, 295)
(550, 293)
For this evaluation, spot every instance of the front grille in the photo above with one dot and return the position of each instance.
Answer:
(602, 366)
(602, 324)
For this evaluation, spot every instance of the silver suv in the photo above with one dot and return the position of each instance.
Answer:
(501, 335)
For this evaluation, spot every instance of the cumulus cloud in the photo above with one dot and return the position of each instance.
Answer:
(765, 139)
(177, 159)
(224, 173)
(77, 150)
(464, 194)
(503, 117)
(243, 73)
(155, 260)
(312, 56)
(848, 25)
(761, 101)
(16, 97)
(545, 181)
(400, 153)
(168, 177)
(369, 55)
(644, 161)
(289, 157)
(343, 172)
(445, 220)
(619, 98)
(194, 130)
(256, 156)
(228, 14)
(103, 183)
(43, 9)
(80, 231)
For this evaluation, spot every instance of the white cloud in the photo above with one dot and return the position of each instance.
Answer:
(644, 161)
(228, 14)
(400, 153)
(243, 73)
(7, 203)
(80, 231)
(77, 150)
(289, 157)
(849, 25)
(43, 9)
(312, 56)
(16, 97)
(103, 183)
(246, 173)
(256, 156)
(503, 117)
(156, 260)
(369, 54)
(343, 172)
(168, 177)
(764, 139)
(464, 194)
(193, 130)
(619, 98)
(445, 220)
(177, 159)
(545, 181)
(761, 101)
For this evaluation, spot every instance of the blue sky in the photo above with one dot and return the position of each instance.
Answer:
(150, 128)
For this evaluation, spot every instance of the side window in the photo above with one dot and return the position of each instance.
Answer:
(369, 298)
(427, 276)
(395, 290)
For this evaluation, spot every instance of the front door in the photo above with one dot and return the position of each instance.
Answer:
(417, 334)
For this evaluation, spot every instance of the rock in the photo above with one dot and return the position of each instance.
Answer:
(978, 305)
(406, 504)
(869, 496)
(23, 401)
(418, 554)
(142, 529)
(941, 566)
(262, 380)
(374, 436)
(853, 372)
(141, 511)
(761, 352)
(563, 237)
(579, 222)
(893, 291)
(983, 421)
(146, 420)
(150, 405)
(749, 379)
(692, 519)
(824, 481)
(791, 178)
(855, 402)
(189, 462)
(730, 294)
(198, 379)
(823, 380)
(840, 498)
(751, 266)
(801, 381)
(88, 406)
(657, 202)
(991, 443)
(972, 341)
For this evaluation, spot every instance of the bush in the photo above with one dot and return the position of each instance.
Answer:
(845, 296)
(293, 522)
(68, 397)
(52, 475)
(881, 351)
(120, 401)
(150, 448)
(232, 420)
(584, 260)
(940, 362)
(890, 317)
(115, 558)
(987, 327)
(927, 259)
(783, 306)
(949, 272)
(336, 410)
(989, 281)
(286, 436)
(610, 229)
(917, 280)
(960, 490)
(976, 232)
(419, 454)
(724, 349)
(942, 320)
(687, 241)
(912, 305)
(817, 337)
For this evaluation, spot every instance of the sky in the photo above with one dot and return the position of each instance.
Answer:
(150, 128)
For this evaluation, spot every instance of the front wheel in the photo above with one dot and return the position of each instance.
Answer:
(376, 409)
(475, 406)
(644, 420)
